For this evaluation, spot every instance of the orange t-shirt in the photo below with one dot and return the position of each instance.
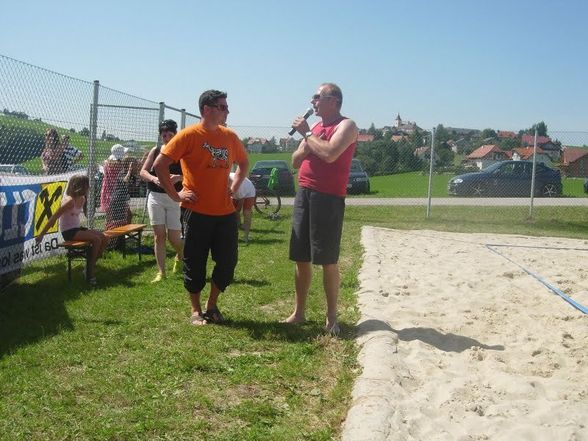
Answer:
(206, 158)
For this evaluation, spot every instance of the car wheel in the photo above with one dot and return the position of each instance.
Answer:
(478, 189)
(550, 190)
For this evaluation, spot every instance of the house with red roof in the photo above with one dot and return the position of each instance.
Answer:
(424, 153)
(486, 155)
(552, 149)
(574, 162)
(526, 154)
(364, 137)
(502, 134)
(398, 138)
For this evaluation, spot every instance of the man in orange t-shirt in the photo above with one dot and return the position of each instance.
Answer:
(206, 151)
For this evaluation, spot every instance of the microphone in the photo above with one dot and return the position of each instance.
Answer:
(309, 112)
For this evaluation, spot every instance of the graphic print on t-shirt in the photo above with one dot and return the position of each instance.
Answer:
(219, 156)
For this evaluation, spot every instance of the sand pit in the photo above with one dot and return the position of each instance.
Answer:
(459, 343)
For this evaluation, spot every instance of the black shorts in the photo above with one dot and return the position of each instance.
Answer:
(69, 234)
(317, 224)
(217, 235)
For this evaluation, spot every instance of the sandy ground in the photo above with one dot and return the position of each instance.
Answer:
(459, 343)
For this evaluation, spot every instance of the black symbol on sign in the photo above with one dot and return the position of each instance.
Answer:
(47, 202)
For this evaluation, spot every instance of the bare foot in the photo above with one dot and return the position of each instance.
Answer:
(294, 319)
(198, 319)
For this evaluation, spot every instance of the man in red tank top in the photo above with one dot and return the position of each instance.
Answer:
(324, 159)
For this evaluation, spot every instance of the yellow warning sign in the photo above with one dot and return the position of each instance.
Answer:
(48, 202)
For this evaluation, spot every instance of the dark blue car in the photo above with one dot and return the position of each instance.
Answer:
(359, 181)
(507, 179)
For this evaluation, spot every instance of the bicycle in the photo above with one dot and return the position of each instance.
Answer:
(267, 202)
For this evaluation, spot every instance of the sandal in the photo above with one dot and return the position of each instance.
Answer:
(334, 330)
(198, 319)
(213, 316)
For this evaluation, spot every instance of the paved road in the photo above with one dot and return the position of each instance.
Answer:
(507, 202)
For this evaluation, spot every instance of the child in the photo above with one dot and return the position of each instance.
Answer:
(243, 200)
(69, 222)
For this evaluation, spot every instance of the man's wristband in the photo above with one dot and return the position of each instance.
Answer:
(307, 134)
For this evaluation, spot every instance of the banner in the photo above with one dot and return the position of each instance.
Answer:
(24, 210)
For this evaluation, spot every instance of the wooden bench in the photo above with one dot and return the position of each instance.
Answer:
(80, 249)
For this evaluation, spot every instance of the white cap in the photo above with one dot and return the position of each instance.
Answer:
(117, 152)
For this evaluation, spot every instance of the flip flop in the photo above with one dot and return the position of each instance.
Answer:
(333, 330)
(213, 316)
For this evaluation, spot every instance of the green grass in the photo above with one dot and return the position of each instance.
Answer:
(284, 156)
(34, 165)
(121, 361)
(415, 185)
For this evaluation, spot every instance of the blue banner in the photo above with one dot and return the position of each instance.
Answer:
(24, 211)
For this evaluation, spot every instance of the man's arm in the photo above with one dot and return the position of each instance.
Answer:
(345, 134)
(51, 221)
(161, 166)
(299, 154)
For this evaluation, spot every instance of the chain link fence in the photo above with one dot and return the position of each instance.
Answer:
(53, 126)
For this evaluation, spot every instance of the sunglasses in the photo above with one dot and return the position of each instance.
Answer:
(317, 97)
(221, 107)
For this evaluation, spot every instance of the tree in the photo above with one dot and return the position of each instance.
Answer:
(487, 133)
(509, 143)
(441, 135)
(541, 129)
(378, 157)
(85, 132)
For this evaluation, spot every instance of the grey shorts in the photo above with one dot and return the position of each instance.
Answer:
(317, 224)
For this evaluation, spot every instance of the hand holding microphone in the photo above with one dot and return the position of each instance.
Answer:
(298, 121)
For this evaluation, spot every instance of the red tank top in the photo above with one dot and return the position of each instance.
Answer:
(330, 178)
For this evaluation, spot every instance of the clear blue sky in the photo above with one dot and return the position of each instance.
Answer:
(461, 63)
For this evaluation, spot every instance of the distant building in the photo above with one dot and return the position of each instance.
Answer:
(503, 134)
(530, 140)
(486, 155)
(397, 138)
(552, 149)
(289, 144)
(255, 145)
(574, 162)
(404, 127)
(424, 153)
(364, 137)
(526, 154)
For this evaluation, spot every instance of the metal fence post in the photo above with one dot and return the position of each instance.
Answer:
(533, 176)
(92, 155)
(431, 161)
(183, 120)
(161, 118)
